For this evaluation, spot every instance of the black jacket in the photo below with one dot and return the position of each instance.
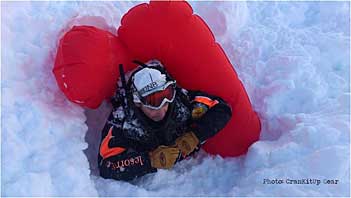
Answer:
(126, 141)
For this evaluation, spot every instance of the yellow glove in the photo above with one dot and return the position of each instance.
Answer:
(187, 143)
(164, 157)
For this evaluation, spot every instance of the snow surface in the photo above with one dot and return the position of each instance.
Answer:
(293, 58)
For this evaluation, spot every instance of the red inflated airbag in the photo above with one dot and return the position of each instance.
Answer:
(86, 65)
(169, 31)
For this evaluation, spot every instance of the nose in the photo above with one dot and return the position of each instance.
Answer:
(160, 113)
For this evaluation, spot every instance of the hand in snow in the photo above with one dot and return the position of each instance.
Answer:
(187, 143)
(164, 157)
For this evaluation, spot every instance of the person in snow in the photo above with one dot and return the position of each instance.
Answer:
(155, 124)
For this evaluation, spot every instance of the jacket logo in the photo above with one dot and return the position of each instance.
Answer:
(125, 163)
(105, 150)
(198, 111)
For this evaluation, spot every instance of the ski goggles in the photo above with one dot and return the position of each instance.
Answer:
(157, 99)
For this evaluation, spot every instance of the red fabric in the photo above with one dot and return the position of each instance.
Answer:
(86, 66)
(169, 32)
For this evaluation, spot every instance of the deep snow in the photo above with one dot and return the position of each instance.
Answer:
(294, 61)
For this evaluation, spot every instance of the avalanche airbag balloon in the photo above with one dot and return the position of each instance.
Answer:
(86, 65)
(171, 33)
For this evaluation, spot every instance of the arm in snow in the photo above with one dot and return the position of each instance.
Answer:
(210, 114)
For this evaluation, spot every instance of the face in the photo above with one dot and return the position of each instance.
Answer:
(155, 115)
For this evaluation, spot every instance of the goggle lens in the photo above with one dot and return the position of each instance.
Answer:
(156, 99)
